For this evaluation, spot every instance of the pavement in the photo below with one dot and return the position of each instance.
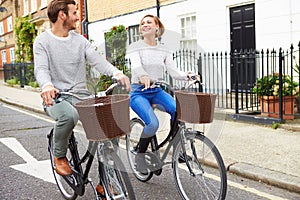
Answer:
(250, 150)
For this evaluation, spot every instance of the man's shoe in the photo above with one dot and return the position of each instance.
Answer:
(141, 164)
(62, 166)
(101, 192)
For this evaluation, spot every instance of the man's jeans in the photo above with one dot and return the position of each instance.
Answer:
(140, 102)
(66, 117)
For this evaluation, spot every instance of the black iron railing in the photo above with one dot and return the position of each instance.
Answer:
(230, 75)
(22, 73)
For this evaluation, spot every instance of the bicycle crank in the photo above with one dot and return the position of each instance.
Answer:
(154, 164)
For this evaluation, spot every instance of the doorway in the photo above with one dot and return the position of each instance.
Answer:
(242, 44)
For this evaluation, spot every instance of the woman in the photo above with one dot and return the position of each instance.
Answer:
(149, 59)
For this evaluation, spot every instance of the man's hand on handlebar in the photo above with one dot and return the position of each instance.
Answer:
(124, 80)
(48, 93)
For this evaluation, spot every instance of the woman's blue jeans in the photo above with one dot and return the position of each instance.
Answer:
(141, 103)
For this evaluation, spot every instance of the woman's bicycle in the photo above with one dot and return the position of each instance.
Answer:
(198, 167)
(112, 174)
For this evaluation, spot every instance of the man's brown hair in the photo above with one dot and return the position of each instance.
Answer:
(57, 5)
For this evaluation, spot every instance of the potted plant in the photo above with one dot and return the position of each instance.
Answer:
(296, 69)
(267, 88)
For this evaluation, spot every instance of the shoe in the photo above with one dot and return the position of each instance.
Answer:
(181, 158)
(101, 192)
(141, 164)
(62, 166)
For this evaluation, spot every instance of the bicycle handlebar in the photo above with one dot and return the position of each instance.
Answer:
(58, 97)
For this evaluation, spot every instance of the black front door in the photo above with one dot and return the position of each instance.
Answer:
(242, 37)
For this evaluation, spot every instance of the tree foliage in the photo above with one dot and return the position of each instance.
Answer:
(25, 34)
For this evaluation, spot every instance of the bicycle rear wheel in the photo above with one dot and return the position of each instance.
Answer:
(136, 127)
(66, 191)
(114, 176)
(208, 179)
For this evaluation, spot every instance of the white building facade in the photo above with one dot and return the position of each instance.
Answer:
(217, 25)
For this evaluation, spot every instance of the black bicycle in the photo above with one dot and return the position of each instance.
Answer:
(198, 167)
(112, 172)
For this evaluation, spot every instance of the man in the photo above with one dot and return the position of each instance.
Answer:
(60, 57)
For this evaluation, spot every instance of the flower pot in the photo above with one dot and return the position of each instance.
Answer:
(269, 106)
(298, 104)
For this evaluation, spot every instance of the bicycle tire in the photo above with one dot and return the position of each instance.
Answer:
(210, 180)
(64, 188)
(114, 176)
(136, 127)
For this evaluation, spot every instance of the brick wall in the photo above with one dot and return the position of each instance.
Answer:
(102, 9)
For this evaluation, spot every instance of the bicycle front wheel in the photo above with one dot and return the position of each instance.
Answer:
(136, 127)
(200, 174)
(114, 177)
(66, 190)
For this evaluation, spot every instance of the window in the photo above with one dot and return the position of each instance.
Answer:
(43, 3)
(134, 33)
(3, 57)
(33, 5)
(1, 28)
(188, 32)
(9, 24)
(26, 9)
(12, 55)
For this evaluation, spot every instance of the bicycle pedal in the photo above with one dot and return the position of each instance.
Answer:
(154, 164)
(158, 172)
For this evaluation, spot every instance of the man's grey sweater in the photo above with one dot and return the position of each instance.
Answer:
(61, 61)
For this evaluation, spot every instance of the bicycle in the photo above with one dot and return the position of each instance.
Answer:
(112, 174)
(193, 153)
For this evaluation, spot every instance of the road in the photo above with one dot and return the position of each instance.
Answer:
(25, 171)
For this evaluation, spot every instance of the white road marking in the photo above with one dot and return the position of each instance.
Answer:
(33, 167)
(36, 116)
(30, 114)
(239, 186)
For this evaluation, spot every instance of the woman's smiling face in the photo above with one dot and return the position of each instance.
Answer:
(148, 26)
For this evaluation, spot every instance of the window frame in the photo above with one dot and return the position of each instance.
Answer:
(9, 24)
(12, 54)
(3, 52)
(188, 31)
(134, 33)
(25, 7)
(1, 28)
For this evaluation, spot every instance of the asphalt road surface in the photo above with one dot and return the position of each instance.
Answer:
(25, 171)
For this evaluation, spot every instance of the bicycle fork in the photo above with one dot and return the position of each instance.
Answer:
(187, 135)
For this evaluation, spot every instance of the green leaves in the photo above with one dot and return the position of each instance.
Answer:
(269, 86)
(116, 40)
(25, 36)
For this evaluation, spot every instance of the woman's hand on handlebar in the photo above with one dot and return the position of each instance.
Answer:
(48, 94)
(192, 76)
(124, 80)
(146, 81)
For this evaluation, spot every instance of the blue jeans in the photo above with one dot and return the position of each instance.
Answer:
(140, 102)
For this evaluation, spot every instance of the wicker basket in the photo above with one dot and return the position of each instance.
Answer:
(105, 117)
(195, 107)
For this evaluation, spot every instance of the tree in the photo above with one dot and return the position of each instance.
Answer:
(25, 35)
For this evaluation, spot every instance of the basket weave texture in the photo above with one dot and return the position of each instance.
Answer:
(194, 107)
(105, 117)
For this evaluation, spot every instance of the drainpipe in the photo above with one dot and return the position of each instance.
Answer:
(157, 13)
(157, 8)
(85, 21)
